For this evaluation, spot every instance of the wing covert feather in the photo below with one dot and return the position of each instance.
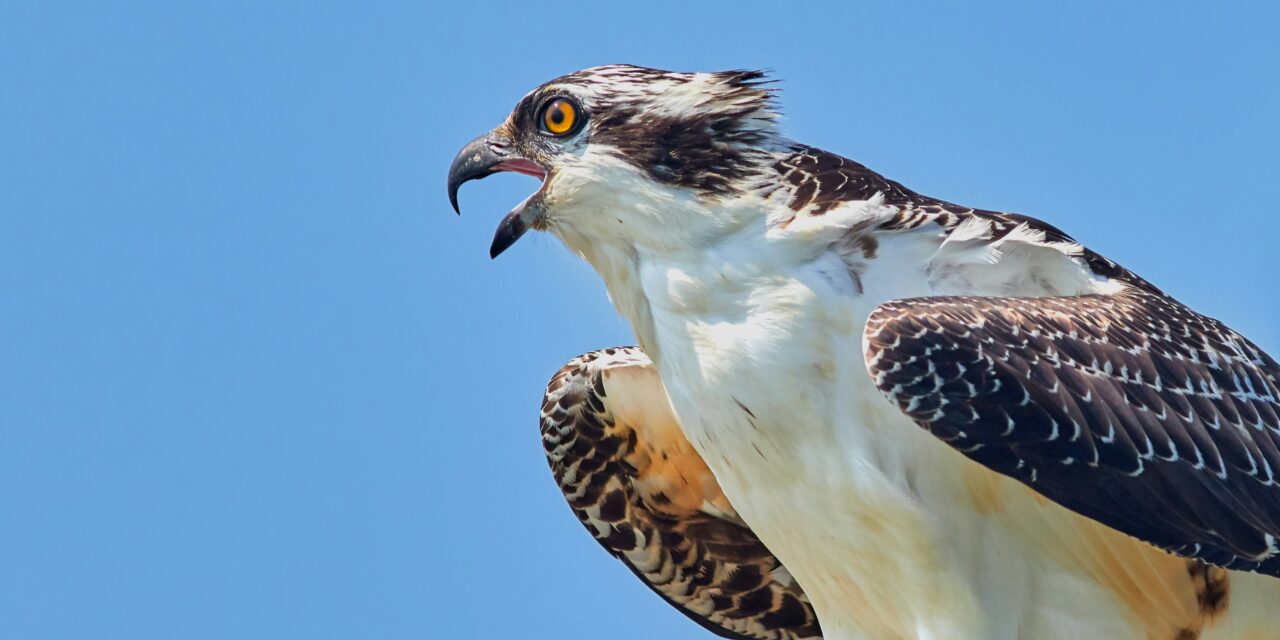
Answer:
(1130, 409)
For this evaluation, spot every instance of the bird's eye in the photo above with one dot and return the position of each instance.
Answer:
(560, 117)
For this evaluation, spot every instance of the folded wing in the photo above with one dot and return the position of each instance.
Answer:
(1130, 409)
(647, 497)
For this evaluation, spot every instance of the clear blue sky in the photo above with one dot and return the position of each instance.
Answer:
(258, 381)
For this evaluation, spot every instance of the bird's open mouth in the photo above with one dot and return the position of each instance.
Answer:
(521, 166)
(485, 156)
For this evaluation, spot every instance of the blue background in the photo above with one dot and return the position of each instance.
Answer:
(258, 381)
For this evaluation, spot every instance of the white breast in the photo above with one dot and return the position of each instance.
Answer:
(763, 365)
(758, 340)
(762, 359)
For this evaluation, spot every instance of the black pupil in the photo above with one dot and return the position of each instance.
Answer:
(557, 114)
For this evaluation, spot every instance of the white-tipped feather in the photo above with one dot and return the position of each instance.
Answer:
(969, 243)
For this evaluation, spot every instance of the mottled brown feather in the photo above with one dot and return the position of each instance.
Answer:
(1130, 409)
(648, 498)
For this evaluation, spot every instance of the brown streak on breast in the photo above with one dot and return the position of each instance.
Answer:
(1213, 588)
(869, 245)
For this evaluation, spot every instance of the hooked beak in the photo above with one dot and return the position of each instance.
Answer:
(485, 156)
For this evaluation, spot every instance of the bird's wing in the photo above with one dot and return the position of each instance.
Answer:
(1130, 409)
(648, 498)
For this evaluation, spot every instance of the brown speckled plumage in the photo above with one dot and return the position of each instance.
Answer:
(648, 499)
(1129, 408)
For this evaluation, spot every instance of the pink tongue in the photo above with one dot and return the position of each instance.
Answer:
(522, 166)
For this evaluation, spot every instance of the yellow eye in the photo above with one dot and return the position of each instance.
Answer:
(559, 117)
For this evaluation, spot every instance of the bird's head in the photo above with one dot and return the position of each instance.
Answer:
(629, 155)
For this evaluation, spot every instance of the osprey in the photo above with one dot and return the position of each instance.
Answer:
(861, 412)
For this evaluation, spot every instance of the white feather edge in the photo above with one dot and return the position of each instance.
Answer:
(971, 242)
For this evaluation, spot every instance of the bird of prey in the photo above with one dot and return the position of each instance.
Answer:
(861, 412)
